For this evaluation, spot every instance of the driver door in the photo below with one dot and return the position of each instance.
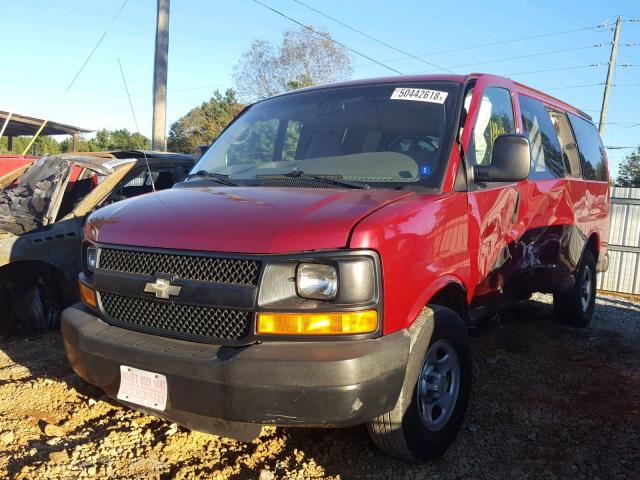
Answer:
(493, 206)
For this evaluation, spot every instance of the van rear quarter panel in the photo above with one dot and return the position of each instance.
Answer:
(592, 210)
(423, 245)
(598, 198)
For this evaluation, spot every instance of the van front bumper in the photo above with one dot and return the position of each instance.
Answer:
(233, 391)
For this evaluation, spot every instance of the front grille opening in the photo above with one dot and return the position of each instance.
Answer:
(188, 267)
(212, 323)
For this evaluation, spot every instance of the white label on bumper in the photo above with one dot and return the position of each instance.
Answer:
(143, 388)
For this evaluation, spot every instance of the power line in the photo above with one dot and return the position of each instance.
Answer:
(175, 90)
(540, 54)
(622, 125)
(501, 42)
(574, 12)
(327, 37)
(370, 37)
(126, 89)
(574, 86)
(135, 121)
(576, 67)
(104, 34)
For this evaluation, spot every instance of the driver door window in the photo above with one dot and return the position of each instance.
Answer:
(495, 117)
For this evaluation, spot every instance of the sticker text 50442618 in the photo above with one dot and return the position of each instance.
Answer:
(419, 95)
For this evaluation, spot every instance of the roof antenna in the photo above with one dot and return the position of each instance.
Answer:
(135, 120)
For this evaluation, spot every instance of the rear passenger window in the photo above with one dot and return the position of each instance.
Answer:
(495, 117)
(592, 156)
(567, 143)
(546, 157)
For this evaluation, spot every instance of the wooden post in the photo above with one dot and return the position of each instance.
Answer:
(158, 136)
(74, 142)
(10, 143)
(612, 67)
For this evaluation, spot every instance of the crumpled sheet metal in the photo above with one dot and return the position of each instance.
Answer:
(23, 207)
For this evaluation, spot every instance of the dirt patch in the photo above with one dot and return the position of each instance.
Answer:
(548, 402)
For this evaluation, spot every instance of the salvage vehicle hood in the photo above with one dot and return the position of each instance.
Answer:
(239, 219)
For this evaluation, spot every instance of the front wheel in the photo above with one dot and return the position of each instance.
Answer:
(434, 396)
(576, 306)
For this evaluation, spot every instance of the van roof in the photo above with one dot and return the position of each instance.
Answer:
(521, 88)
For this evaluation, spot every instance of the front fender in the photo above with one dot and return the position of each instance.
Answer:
(423, 245)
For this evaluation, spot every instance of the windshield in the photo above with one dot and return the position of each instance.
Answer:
(382, 135)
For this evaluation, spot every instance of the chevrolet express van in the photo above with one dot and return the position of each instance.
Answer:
(321, 264)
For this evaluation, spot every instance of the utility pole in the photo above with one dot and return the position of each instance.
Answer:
(158, 136)
(612, 67)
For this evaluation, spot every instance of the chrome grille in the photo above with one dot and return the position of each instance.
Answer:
(188, 267)
(214, 323)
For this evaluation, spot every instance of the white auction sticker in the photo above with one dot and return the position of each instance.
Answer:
(116, 162)
(143, 388)
(419, 95)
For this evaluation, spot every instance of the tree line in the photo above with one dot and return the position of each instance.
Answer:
(103, 140)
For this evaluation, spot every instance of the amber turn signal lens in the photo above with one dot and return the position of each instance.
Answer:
(333, 323)
(88, 295)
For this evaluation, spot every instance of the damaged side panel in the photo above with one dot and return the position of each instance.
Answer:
(43, 206)
(27, 206)
(39, 257)
(101, 192)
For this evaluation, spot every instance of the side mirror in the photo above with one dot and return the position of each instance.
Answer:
(510, 160)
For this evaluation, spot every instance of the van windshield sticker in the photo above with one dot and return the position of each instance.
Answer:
(419, 95)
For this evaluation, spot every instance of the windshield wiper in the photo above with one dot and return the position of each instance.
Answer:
(332, 179)
(221, 178)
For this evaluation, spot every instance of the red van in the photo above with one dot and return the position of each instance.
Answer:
(321, 264)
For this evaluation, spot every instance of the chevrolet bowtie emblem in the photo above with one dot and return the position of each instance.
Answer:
(162, 288)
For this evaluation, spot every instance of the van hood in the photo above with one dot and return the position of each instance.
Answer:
(239, 219)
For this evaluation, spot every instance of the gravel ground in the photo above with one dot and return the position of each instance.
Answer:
(548, 402)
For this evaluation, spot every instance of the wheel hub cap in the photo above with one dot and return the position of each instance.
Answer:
(438, 385)
(585, 289)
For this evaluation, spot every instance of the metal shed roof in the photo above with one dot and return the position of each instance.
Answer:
(23, 125)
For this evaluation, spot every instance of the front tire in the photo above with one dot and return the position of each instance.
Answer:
(576, 306)
(434, 396)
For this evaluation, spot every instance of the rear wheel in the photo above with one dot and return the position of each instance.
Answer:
(434, 396)
(576, 306)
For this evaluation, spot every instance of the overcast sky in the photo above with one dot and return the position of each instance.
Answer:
(44, 43)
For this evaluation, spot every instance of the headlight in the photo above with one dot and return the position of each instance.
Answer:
(317, 281)
(92, 258)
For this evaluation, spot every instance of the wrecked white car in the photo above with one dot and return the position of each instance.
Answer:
(42, 210)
